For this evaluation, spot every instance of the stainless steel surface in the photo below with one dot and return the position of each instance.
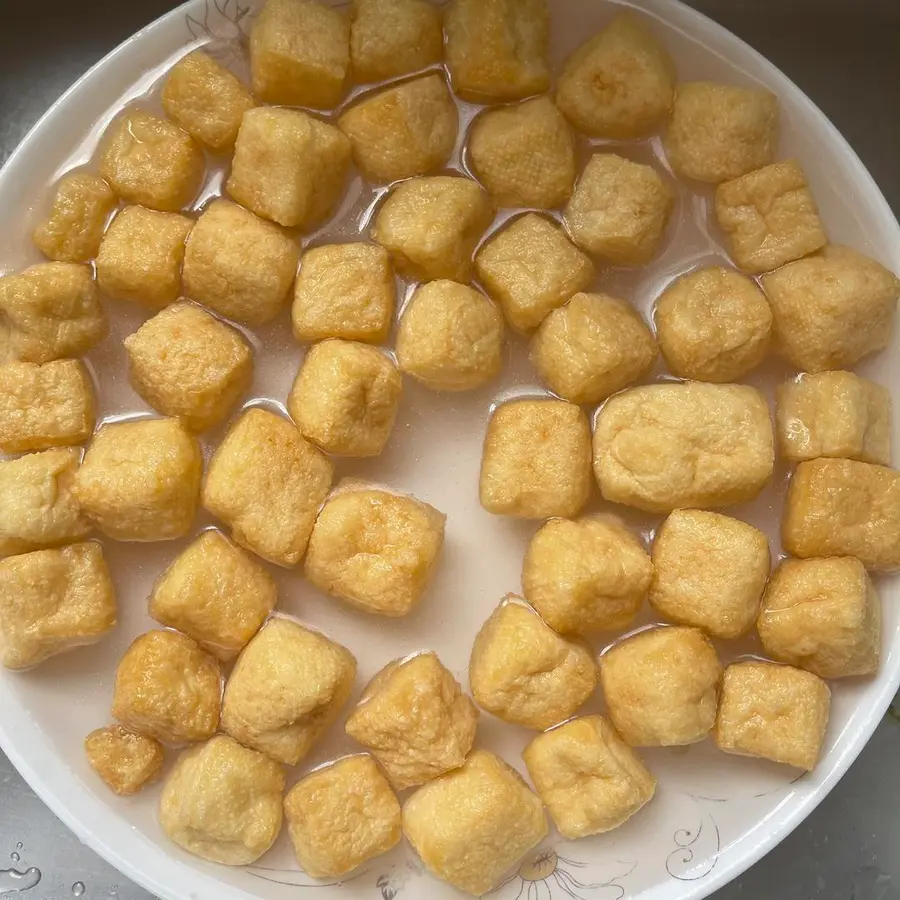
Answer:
(846, 55)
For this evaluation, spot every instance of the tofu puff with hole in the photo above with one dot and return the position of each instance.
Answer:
(126, 760)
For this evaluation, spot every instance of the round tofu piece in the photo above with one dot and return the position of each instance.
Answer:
(661, 686)
(342, 815)
(586, 575)
(415, 720)
(375, 549)
(222, 802)
(125, 760)
(168, 687)
(822, 615)
(713, 325)
(620, 83)
(140, 480)
(590, 780)
(524, 155)
(592, 347)
(345, 398)
(524, 673)
(718, 131)
(472, 825)
(450, 337)
(287, 687)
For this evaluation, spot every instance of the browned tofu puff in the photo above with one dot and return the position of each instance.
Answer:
(53, 600)
(773, 712)
(125, 760)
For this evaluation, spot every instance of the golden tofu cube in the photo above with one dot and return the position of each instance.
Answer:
(415, 720)
(431, 225)
(405, 130)
(620, 83)
(524, 672)
(206, 100)
(531, 268)
(665, 446)
(709, 571)
(52, 601)
(619, 210)
(216, 594)
(450, 337)
(141, 256)
(345, 398)
(50, 311)
(300, 54)
(497, 49)
(344, 291)
(537, 460)
(592, 347)
(266, 482)
(718, 131)
(125, 760)
(288, 166)
(393, 37)
(590, 780)
(524, 155)
(151, 162)
(74, 226)
(342, 815)
(661, 686)
(473, 824)
(375, 549)
(831, 309)
(586, 575)
(287, 687)
(45, 406)
(839, 507)
(713, 325)
(222, 802)
(187, 364)
(773, 712)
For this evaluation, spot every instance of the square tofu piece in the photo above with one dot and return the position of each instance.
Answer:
(344, 291)
(342, 815)
(375, 549)
(50, 311)
(267, 482)
(288, 166)
(141, 255)
(661, 686)
(187, 364)
(473, 824)
(45, 406)
(345, 398)
(431, 226)
(140, 480)
(74, 226)
(215, 593)
(773, 712)
(839, 507)
(300, 54)
(834, 414)
(124, 759)
(822, 615)
(206, 100)
(151, 162)
(497, 49)
(415, 720)
(590, 780)
(239, 265)
(531, 268)
(51, 601)
(536, 461)
(286, 688)
(709, 571)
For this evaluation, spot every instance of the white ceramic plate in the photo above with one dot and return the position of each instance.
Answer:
(713, 814)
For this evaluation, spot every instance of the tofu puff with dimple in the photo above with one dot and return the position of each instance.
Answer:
(126, 760)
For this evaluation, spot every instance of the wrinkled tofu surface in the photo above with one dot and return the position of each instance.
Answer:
(125, 760)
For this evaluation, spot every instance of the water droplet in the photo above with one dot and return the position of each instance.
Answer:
(78, 889)
(14, 857)
(13, 881)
